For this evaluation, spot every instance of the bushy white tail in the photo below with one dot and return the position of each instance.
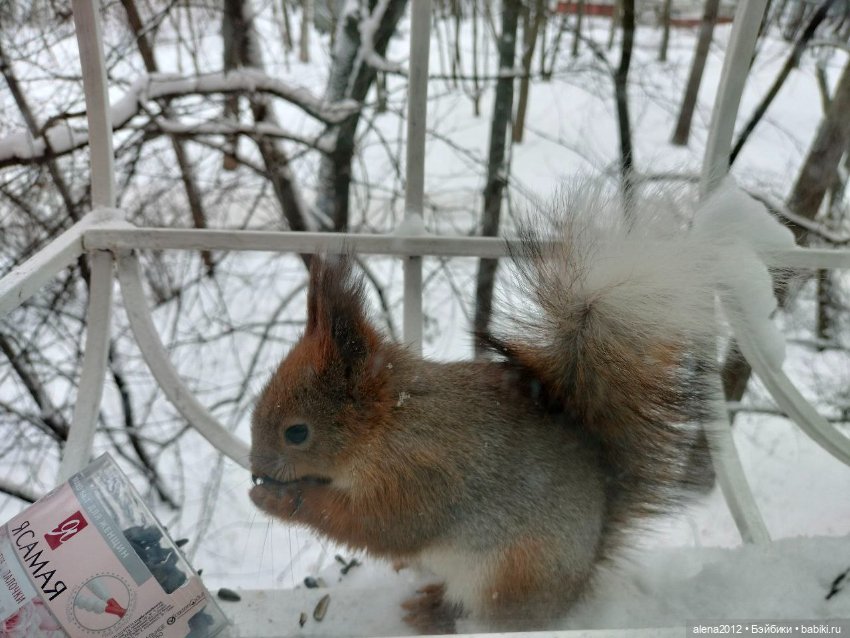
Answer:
(621, 338)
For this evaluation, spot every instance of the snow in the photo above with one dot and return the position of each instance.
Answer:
(368, 27)
(785, 580)
(681, 568)
(742, 226)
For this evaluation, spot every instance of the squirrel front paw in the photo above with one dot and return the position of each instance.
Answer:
(429, 612)
(283, 502)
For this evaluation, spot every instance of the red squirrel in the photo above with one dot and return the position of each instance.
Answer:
(510, 478)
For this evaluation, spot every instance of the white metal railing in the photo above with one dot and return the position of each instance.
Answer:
(108, 239)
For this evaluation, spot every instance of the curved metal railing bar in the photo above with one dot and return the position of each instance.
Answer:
(78, 447)
(731, 476)
(789, 399)
(160, 366)
(739, 52)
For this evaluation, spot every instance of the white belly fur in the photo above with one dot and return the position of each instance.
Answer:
(466, 575)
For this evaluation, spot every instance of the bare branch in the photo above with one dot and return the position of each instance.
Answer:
(21, 492)
(323, 143)
(55, 423)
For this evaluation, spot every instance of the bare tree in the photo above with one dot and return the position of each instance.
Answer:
(831, 141)
(666, 10)
(242, 50)
(532, 20)
(496, 163)
(351, 76)
(682, 132)
(577, 31)
(307, 9)
(621, 95)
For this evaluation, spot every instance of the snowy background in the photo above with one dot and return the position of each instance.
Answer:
(571, 130)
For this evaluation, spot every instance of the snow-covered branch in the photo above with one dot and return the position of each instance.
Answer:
(811, 226)
(368, 26)
(62, 138)
(245, 80)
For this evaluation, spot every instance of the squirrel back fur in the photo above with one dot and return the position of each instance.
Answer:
(510, 479)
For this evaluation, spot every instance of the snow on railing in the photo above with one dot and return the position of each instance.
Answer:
(103, 234)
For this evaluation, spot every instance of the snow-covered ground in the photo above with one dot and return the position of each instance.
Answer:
(788, 580)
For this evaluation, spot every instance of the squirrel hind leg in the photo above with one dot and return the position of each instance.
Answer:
(429, 612)
(530, 588)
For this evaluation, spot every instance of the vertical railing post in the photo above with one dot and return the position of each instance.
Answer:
(417, 107)
(90, 43)
(101, 158)
(90, 389)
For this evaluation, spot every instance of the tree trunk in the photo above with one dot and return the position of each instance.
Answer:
(350, 77)
(621, 94)
(286, 26)
(577, 32)
(476, 82)
(496, 165)
(306, 27)
(666, 9)
(242, 50)
(830, 143)
(556, 47)
(531, 27)
(544, 34)
(689, 102)
(827, 297)
(233, 33)
(616, 18)
(457, 14)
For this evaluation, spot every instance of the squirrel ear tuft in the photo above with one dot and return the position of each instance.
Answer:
(336, 310)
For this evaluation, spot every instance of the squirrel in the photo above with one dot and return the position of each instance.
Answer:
(510, 478)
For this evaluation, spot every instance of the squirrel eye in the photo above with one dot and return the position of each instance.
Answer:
(296, 434)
